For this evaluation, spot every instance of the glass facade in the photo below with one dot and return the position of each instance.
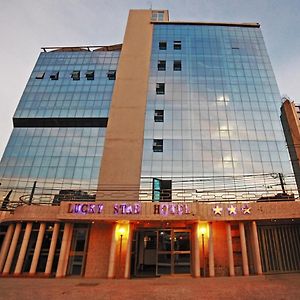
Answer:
(58, 155)
(221, 130)
(66, 97)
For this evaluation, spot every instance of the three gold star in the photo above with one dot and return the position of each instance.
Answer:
(246, 210)
(231, 210)
(217, 210)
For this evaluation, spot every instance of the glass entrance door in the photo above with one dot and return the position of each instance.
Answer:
(78, 249)
(158, 252)
(173, 252)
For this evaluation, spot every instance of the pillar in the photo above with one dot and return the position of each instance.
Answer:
(37, 249)
(196, 255)
(211, 258)
(244, 249)
(257, 258)
(12, 249)
(112, 256)
(20, 261)
(230, 250)
(63, 251)
(67, 253)
(52, 249)
(128, 251)
(5, 245)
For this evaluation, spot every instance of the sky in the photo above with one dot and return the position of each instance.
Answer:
(26, 26)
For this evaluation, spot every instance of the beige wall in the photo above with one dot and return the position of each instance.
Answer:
(98, 250)
(291, 127)
(123, 148)
(220, 248)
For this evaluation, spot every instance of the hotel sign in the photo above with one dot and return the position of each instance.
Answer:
(85, 208)
(164, 209)
(157, 211)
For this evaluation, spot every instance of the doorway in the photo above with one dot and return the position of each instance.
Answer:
(78, 249)
(159, 252)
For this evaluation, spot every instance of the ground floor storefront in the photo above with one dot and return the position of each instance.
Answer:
(138, 240)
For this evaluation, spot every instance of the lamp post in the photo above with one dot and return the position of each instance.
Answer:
(121, 232)
(203, 231)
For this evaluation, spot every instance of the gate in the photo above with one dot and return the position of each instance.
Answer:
(279, 247)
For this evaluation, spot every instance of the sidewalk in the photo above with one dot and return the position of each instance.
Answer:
(281, 286)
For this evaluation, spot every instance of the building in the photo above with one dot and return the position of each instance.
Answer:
(160, 155)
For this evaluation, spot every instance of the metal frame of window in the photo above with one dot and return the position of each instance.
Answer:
(158, 145)
(90, 75)
(111, 74)
(177, 45)
(54, 75)
(162, 45)
(75, 75)
(159, 115)
(177, 65)
(161, 65)
(160, 88)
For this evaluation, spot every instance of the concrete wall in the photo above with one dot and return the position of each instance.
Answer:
(291, 128)
(98, 250)
(123, 148)
(220, 249)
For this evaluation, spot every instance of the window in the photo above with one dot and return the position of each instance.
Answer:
(158, 145)
(75, 75)
(161, 65)
(177, 65)
(40, 75)
(158, 115)
(111, 74)
(89, 75)
(162, 45)
(160, 88)
(161, 190)
(235, 46)
(177, 45)
(54, 76)
(157, 15)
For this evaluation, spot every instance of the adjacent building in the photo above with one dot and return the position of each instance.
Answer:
(161, 155)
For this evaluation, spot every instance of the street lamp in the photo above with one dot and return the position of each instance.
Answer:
(121, 232)
(203, 232)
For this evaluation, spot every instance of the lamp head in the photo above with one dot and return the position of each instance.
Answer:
(121, 230)
(203, 230)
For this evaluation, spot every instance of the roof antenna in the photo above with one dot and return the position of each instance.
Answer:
(150, 4)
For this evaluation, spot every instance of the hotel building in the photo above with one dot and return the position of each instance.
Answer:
(162, 155)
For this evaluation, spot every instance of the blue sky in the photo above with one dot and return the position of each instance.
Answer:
(26, 26)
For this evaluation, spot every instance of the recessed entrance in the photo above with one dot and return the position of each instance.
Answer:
(78, 250)
(159, 252)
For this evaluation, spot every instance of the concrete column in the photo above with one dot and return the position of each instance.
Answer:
(63, 250)
(67, 254)
(196, 247)
(230, 250)
(112, 255)
(20, 261)
(52, 249)
(12, 249)
(211, 257)
(37, 249)
(6, 244)
(256, 249)
(128, 252)
(244, 249)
